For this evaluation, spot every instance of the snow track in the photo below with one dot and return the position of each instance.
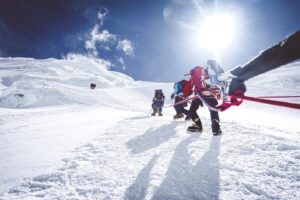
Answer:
(155, 158)
(34, 141)
(75, 143)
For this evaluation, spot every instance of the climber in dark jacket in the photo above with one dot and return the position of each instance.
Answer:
(178, 95)
(158, 102)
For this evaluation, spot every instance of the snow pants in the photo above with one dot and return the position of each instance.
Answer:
(157, 106)
(195, 105)
(180, 108)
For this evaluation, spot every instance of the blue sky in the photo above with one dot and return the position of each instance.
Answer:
(152, 40)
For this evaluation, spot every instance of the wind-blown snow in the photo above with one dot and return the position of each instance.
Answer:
(74, 143)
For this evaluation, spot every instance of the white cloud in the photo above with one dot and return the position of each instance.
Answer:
(107, 63)
(74, 56)
(167, 13)
(106, 40)
(126, 46)
(103, 37)
(121, 61)
(102, 14)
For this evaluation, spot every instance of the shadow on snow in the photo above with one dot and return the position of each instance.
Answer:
(186, 181)
(140, 117)
(138, 189)
(183, 180)
(152, 138)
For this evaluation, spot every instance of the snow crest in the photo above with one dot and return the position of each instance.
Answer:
(282, 78)
(26, 82)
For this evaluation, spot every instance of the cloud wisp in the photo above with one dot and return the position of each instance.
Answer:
(103, 37)
(126, 46)
(102, 40)
(122, 62)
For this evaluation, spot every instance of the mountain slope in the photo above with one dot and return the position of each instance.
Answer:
(26, 83)
(106, 146)
(154, 158)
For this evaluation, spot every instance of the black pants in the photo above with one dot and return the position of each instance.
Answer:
(195, 105)
(180, 108)
(157, 106)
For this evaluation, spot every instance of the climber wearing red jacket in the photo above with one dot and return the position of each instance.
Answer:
(198, 84)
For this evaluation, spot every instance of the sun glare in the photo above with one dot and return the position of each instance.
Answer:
(217, 31)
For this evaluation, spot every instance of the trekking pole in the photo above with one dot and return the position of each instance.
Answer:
(148, 114)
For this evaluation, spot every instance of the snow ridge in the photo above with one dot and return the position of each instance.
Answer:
(26, 82)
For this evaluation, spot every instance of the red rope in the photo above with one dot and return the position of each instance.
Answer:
(279, 97)
(183, 101)
(272, 102)
(255, 99)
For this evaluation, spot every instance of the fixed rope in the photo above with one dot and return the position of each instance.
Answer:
(273, 102)
(263, 99)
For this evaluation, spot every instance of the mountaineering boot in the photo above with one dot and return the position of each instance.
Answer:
(153, 114)
(160, 114)
(187, 118)
(178, 116)
(215, 126)
(196, 127)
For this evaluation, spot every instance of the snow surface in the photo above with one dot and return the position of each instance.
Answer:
(62, 140)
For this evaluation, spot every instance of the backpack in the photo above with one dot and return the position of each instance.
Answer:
(159, 92)
(199, 73)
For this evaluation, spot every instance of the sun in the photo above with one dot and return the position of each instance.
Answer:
(217, 31)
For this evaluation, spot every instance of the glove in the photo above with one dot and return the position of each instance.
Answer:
(172, 96)
(237, 87)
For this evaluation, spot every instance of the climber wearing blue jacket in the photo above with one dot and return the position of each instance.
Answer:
(178, 94)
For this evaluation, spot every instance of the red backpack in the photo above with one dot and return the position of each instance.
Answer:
(183, 83)
(199, 73)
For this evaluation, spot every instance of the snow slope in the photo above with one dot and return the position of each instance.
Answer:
(73, 143)
(27, 83)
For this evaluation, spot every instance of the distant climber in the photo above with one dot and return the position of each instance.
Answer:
(198, 84)
(158, 102)
(178, 95)
(92, 86)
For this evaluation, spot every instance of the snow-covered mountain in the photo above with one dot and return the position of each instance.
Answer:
(285, 79)
(61, 140)
(26, 82)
